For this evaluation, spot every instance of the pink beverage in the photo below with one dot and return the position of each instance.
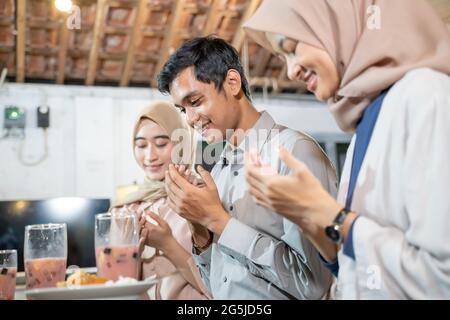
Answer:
(115, 261)
(7, 283)
(44, 272)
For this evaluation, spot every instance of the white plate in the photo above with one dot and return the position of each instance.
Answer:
(117, 291)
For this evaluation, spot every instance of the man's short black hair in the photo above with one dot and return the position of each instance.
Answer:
(211, 58)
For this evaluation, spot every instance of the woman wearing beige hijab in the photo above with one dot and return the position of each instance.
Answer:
(157, 143)
(383, 67)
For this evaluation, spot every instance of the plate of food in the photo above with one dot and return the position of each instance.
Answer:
(84, 286)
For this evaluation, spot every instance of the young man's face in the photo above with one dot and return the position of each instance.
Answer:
(209, 111)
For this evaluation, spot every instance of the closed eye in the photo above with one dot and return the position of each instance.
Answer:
(182, 109)
(160, 146)
(195, 103)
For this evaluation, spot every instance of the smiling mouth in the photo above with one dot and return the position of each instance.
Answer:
(154, 167)
(310, 78)
(203, 127)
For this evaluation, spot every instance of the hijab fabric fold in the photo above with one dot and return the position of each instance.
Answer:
(369, 59)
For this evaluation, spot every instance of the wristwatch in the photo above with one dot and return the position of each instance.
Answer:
(333, 231)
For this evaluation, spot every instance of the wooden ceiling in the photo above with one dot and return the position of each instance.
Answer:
(126, 42)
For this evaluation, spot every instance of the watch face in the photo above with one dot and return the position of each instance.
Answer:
(333, 233)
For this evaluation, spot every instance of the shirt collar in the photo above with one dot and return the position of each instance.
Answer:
(261, 129)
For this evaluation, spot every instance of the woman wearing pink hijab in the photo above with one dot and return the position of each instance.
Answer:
(383, 67)
(165, 236)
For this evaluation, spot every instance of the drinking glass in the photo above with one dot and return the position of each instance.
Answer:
(117, 245)
(45, 254)
(8, 271)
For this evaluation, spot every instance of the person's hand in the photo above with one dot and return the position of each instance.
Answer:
(190, 175)
(124, 222)
(299, 197)
(142, 239)
(196, 204)
(158, 234)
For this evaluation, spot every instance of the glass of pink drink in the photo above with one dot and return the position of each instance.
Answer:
(45, 255)
(8, 271)
(117, 246)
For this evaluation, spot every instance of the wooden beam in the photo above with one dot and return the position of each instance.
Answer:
(112, 56)
(238, 39)
(48, 52)
(62, 54)
(20, 40)
(212, 18)
(122, 30)
(42, 24)
(123, 3)
(98, 34)
(6, 21)
(7, 49)
(135, 36)
(282, 77)
(177, 10)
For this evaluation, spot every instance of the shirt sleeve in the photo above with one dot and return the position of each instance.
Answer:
(203, 262)
(333, 266)
(414, 263)
(275, 261)
(204, 293)
(348, 248)
(290, 263)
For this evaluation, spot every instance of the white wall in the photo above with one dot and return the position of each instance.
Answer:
(89, 138)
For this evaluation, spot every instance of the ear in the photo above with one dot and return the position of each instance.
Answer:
(233, 82)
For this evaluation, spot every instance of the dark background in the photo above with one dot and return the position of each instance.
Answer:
(77, 213)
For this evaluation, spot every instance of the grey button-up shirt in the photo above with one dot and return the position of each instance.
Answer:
(260, 254)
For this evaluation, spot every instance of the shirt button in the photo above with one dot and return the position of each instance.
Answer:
(236, 173)
(225, 279)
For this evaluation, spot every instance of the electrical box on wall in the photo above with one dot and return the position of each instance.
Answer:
(43, 117)
(14, 118)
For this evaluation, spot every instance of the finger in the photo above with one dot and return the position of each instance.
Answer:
(256, 181)
(142, 221)
(206, 176)
(173, 191)
(154, 219)
(157, 218)
(257, 194)
(177, 179)
(142, 240)
(189, 176)
(252, 158)
(181, 169)
(171, 185)
(289, 159)
(262, 204)
(150, 229)
(254, 173)
(144, 234)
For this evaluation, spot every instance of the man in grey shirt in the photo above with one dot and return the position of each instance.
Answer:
(243, 250)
